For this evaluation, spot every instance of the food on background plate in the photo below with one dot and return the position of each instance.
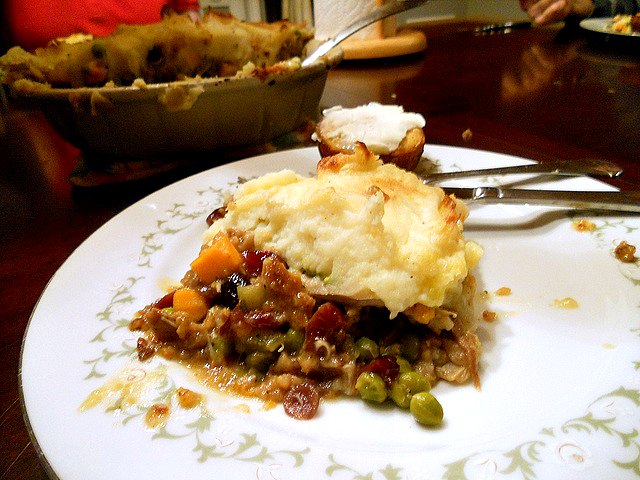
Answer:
(356, 282)
(174, 49)
(627, 24)
(387, 130)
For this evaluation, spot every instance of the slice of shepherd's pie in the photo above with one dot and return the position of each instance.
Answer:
(355, 282)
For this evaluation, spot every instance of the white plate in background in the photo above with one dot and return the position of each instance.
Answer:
(601, 25)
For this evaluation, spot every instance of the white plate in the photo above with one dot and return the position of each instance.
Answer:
(601, 25)
(560, 393)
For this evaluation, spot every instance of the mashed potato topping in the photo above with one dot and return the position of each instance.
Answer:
(363, 229)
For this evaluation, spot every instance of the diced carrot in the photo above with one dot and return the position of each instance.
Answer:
(191, 302)
(217, 261)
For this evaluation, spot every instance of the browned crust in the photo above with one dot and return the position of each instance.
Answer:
(406, 156)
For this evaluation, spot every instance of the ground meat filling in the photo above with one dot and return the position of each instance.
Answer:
(257, 332)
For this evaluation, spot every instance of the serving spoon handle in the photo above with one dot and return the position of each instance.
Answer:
(389, 8)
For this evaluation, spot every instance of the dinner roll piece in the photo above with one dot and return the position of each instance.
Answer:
(388, 131)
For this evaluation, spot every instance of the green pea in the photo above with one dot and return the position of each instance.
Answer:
(252, 297)
(272, 342)
(366, 349)
(262, 342)
(426, 409)
(220, 347)
(293, 340)
(260, 361)
(406, 386)
(404, 365)
(410, 347)
(249, 344)
(371, 387)
(393, 349)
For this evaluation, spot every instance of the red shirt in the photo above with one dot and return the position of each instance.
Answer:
(33, 23)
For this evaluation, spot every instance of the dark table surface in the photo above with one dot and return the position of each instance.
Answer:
(539, 93)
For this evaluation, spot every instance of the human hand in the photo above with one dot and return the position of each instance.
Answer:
(543, 12)
(538, 68)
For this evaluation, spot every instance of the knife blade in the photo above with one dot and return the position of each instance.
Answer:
(502, 27)
(618, 201)
(587, 166)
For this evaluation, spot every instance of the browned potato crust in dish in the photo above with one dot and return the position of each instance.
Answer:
(173, 49)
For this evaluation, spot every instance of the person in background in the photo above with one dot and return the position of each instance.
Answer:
(543, 12)
(33, 23)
